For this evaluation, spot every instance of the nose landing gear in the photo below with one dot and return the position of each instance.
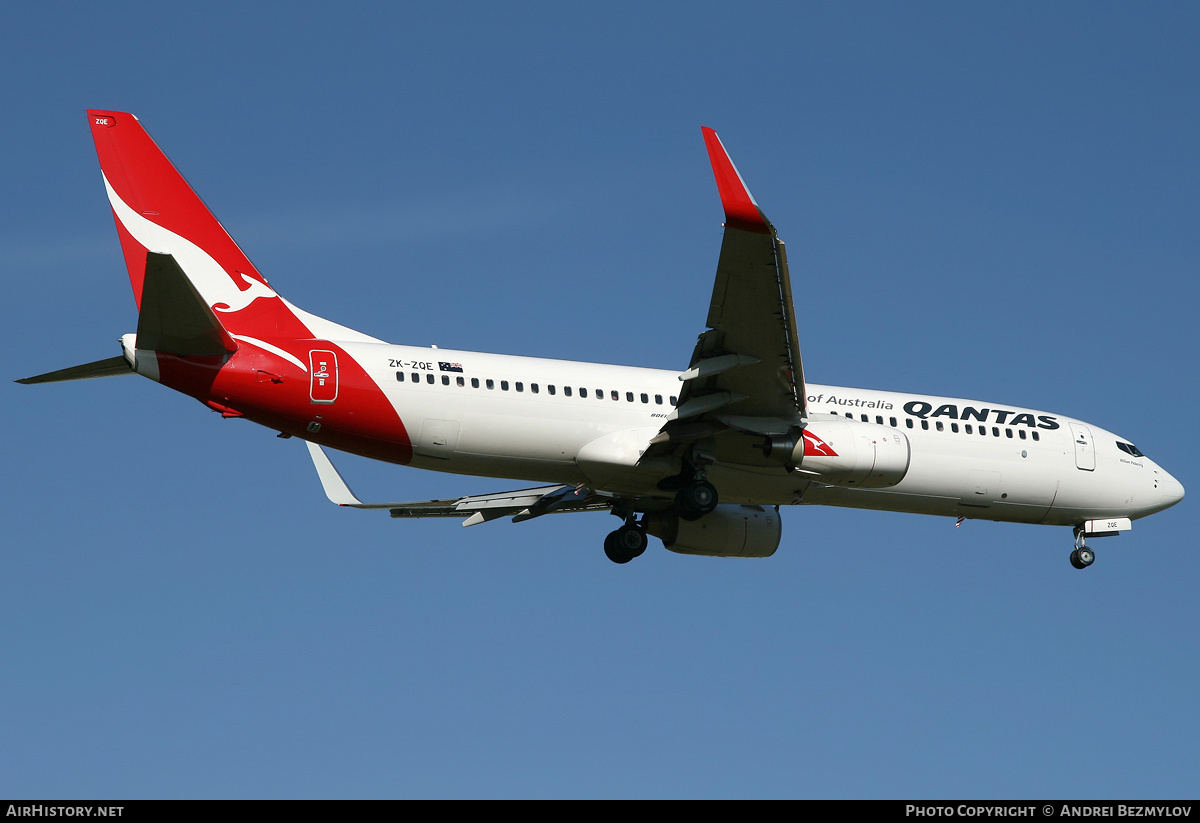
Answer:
(1082, 557)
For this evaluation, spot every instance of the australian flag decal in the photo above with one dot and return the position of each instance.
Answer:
(449, 366)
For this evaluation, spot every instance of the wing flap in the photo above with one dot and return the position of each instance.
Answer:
(523, 504)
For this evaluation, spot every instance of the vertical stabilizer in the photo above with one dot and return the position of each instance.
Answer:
(158, 214)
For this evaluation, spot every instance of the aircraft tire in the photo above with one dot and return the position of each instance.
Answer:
(614, 550)
(632, 539)
(696, 500)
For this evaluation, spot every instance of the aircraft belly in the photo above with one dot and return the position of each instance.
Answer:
(510, 467)
(991, 485)
(1114, 487)
(525, 443)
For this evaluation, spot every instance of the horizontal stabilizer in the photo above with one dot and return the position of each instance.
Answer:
(174, 317)
(112, 367)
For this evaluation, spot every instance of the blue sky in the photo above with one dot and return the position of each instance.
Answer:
(988, 202)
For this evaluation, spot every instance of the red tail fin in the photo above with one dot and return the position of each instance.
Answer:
(157, 212)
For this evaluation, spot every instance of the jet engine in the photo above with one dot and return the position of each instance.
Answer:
(727, 531)
(845, 453)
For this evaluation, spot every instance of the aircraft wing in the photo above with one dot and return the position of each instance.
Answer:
(745, 371)
(524, 504)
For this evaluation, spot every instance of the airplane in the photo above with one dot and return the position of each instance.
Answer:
(701, 458)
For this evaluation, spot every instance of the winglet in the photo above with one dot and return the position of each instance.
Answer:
(741, 212)
(335, 487)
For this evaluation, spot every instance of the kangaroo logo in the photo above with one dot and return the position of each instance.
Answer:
(816, 447)
(254, 290)
(218, 287)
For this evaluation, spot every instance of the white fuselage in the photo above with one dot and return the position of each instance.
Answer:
(585, 423)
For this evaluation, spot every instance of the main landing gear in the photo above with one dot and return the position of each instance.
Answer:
(1082, 557)
(626, 543)
(695, 499)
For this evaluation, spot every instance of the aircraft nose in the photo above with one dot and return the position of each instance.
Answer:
(1170, 489)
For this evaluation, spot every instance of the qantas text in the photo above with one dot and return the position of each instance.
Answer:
(923, 410)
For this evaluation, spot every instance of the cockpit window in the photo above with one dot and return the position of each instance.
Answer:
(1129, 448)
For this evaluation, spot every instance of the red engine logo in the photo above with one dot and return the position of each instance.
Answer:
(817, 447)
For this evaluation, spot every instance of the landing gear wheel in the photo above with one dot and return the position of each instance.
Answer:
(625, 543)
(696, 500)
(614, 553)
(1082, 557)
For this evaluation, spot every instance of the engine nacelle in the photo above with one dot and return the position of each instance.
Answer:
(845, 452)
(727, 531)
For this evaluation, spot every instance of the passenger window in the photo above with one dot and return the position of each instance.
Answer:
(969, 429)
(995, 431)
(616, 395)
(674, 400)
(940, 427)
(533, 387)
(954, 428)
(908, 422)
(445, 380)
(474, 382)
(629, 396)
(566, 391)
(879, 419)
(520, 386)
(429, 379)
(1008, 433)
(399, 377)
(658, 399)
(893, 421)
(645, 397)
(491, 384)
(925, 425)
(1036, 436)
(849, 415)
(865, 419)
(582, 391)
(1021, 433)
(550, 388)
(503, 385)
(460, 381)
(416, 378)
